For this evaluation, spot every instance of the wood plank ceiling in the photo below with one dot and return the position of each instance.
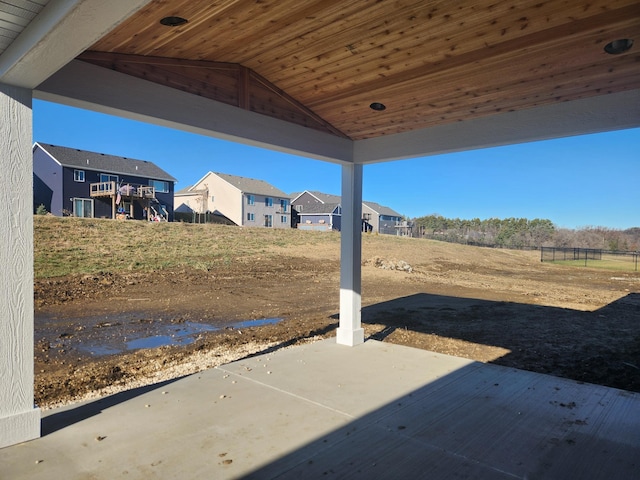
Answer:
(322, 63)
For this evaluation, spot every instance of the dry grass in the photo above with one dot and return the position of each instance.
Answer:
(64, 246)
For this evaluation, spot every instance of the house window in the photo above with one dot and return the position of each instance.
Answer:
(78, 175)
(82, 208)
(283, 219)
(213, 198)
(108, 178)
(250, 217)
(299, 207)
(159, 186)
(268, 220)
(251, 200)
(268, 202)
(283, 205)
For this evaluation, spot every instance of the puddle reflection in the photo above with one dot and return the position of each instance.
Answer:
(172, 334)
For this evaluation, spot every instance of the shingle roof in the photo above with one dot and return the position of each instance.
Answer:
(318, 208)
(323, 197)
(326, 197)
(184, 190)
(72, 157)
(251, 185)
(381, 209)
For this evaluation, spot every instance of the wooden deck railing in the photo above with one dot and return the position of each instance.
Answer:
(128, 190)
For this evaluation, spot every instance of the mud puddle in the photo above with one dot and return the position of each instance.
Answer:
(116, 334)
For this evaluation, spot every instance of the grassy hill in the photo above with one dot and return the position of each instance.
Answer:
(64, 246)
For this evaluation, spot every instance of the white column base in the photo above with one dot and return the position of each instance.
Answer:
(20, 427)
(349, 337)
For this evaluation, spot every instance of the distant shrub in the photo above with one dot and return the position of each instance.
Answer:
(41, 210)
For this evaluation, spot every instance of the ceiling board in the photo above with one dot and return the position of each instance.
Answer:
(321, 63)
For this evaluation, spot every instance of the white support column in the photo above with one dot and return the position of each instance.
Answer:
(350, 331)
(19, 418)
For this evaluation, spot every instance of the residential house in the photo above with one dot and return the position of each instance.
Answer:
(68, 181)
(381, 219)
(316, 211)
(244, 201)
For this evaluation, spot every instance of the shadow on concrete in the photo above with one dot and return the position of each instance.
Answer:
(601, 346)
(478, 421)
(74, 414)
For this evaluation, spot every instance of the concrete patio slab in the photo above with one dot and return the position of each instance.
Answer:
(324, 410)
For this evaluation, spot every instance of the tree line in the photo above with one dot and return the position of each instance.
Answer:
(524, 233)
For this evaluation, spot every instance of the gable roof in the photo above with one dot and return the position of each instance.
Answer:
(75, 158)
(381, 209)
(251, 185)
(322, 197)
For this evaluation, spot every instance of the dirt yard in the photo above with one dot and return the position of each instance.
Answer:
(96, 334)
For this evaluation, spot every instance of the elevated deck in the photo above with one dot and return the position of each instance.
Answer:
(129, 190)
(144, 195)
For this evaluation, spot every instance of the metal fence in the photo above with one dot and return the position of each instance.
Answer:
(591, 257)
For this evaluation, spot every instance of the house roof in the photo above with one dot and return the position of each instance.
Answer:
(252, 185)
(75, 158)
(184, 191)
(322, 197)
(319, 208)
(381, 209)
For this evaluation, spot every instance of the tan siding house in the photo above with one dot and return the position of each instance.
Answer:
(244, 201)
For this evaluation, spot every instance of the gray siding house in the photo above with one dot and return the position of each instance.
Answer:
(321, 211)
(381, 219)
(316, 211)
(68, 181)
(244, 201)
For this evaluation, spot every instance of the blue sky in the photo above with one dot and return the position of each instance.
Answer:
(591, 180)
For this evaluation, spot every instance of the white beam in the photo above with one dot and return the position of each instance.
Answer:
(580, 117)
(83, 85)
(350, 331)
(19, 420)
(62, 30)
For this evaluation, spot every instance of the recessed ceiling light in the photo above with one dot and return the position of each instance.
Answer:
(618, 46)
(173, 21)
(377, 106)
